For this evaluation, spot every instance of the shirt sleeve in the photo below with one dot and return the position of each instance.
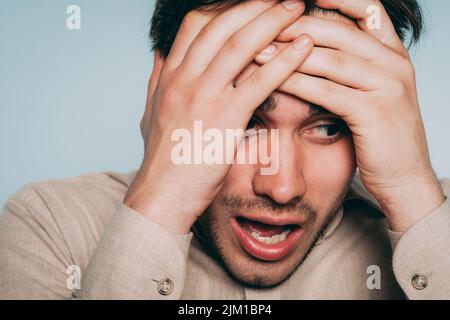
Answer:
(421, 258)
(136, 259)
(33, 257)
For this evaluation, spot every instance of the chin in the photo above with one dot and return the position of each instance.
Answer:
(252, 272)
(258, 248)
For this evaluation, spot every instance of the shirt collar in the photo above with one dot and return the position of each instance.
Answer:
(357, 191)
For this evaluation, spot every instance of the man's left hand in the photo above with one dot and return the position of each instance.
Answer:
(366, 77)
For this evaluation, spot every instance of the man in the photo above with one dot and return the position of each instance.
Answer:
(339, 92)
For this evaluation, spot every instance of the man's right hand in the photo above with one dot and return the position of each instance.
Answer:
(196, 83)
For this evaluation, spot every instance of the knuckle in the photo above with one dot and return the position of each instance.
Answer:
(338, 59)
(178, 93)
(286, 57)
(193, 21)
(409, 70)
(295, 29)
(293, 82)
(288, 62)
(172, 93)
(397, 88)
(196, 95)
(203, 35)
(194, 98)
(328, 88)
(142, 127)
(257, 80)
(297, 80)
(233, 44)
(190, 18)
(288, 34)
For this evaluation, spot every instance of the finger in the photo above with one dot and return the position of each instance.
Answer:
(240, 49)
(246, 73)
(338, 99)
(338, 35)
(212, 37)
(191, 26)
(267, 78)
(334, 65)
(371, 17)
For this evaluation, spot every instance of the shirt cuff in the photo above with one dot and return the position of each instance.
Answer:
(136, 259)
(421, 258)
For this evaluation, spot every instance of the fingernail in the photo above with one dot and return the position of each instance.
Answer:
(291, 4)
(270, 50)
(301, 43)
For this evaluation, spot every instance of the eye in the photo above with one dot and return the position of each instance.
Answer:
(327, 131)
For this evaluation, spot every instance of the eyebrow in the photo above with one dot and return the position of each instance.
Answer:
(268, 105)
(314, 109)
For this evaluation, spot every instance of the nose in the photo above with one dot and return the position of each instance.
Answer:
(287, 183)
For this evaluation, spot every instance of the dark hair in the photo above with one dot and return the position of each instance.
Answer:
(406, 16)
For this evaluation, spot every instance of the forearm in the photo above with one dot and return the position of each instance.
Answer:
(134, 258)
(163, 208)
(419, 217)
(409, 204)
(421, 259)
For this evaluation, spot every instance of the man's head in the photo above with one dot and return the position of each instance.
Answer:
(261, 227)
(168, 16)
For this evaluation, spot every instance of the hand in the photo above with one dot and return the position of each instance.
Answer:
(196, 83)
(366, 77)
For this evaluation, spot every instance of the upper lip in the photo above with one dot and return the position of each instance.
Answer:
(272, 220)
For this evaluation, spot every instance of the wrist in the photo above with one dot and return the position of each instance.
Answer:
(174, 224)
(161, 210)
(408, 204)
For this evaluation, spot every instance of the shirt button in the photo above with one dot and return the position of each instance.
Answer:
(165, 287)
(420, 281)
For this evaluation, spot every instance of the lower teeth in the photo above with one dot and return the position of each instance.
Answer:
(271, 240)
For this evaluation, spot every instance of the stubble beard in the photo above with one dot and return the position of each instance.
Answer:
(212, 241)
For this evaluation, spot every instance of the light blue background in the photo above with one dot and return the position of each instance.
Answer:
(71, 101)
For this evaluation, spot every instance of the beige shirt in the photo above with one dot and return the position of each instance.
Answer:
(56, 232)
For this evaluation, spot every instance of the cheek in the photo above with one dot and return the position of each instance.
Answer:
(239, 180)
(328, 170)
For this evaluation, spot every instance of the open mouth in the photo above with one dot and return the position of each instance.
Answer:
(267, 242)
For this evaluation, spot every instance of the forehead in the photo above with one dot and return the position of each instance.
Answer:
(281, 108)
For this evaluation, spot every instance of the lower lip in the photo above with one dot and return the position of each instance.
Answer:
(266, 252)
